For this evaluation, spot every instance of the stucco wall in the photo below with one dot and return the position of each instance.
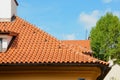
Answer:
(13, 8)
(46, 76)
(114, 73)
(52, 73)
(5, 8)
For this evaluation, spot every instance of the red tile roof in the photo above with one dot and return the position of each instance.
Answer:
(81, 44)
(33, 45)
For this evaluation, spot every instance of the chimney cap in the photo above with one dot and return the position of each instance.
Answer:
(16, 2)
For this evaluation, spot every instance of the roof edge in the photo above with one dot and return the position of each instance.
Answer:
(8, 33)
(54, 64)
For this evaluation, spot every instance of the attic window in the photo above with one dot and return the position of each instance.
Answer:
(0, 44)
(5, 39)
(81, 79)
(4, 42)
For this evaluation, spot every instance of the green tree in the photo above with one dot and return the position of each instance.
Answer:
(105, 38)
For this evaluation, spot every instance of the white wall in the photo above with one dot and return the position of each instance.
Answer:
(114, 73)
(7, 9)
(13, 8)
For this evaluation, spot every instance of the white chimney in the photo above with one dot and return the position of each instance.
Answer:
(7, 10)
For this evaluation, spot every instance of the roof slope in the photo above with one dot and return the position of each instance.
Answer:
(80, 45)
(33, 45)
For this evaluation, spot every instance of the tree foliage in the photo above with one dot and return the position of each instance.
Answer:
(105, 38)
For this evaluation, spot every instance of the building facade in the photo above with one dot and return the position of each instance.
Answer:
(29, 53)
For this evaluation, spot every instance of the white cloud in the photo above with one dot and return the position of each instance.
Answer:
(117, 13)
(69, 36)
(107, 1)
(89, 20)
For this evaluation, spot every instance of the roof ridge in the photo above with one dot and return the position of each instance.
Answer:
(26, 22)
(69, 47)
(81, 47)
(39, 29)
(74, 40)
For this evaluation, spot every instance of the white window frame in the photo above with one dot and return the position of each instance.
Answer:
(0, 44)
(5, 41)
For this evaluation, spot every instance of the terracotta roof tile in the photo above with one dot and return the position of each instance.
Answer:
(82, 46)
(33, 45)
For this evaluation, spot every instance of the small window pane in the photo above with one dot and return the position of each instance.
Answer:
(0, 44)
(81, 79)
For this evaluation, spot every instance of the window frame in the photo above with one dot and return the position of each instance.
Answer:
(81, 79)
(0, 44)
(5, 42)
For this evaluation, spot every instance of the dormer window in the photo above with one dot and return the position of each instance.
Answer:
(0, 44)
(4, 42)
(5, 39)
(81, 79)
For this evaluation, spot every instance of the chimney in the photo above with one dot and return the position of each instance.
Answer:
(8, 10)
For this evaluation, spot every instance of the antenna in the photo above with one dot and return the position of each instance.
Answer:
(86, 36)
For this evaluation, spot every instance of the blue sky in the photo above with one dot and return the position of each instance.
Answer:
(66, 19)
